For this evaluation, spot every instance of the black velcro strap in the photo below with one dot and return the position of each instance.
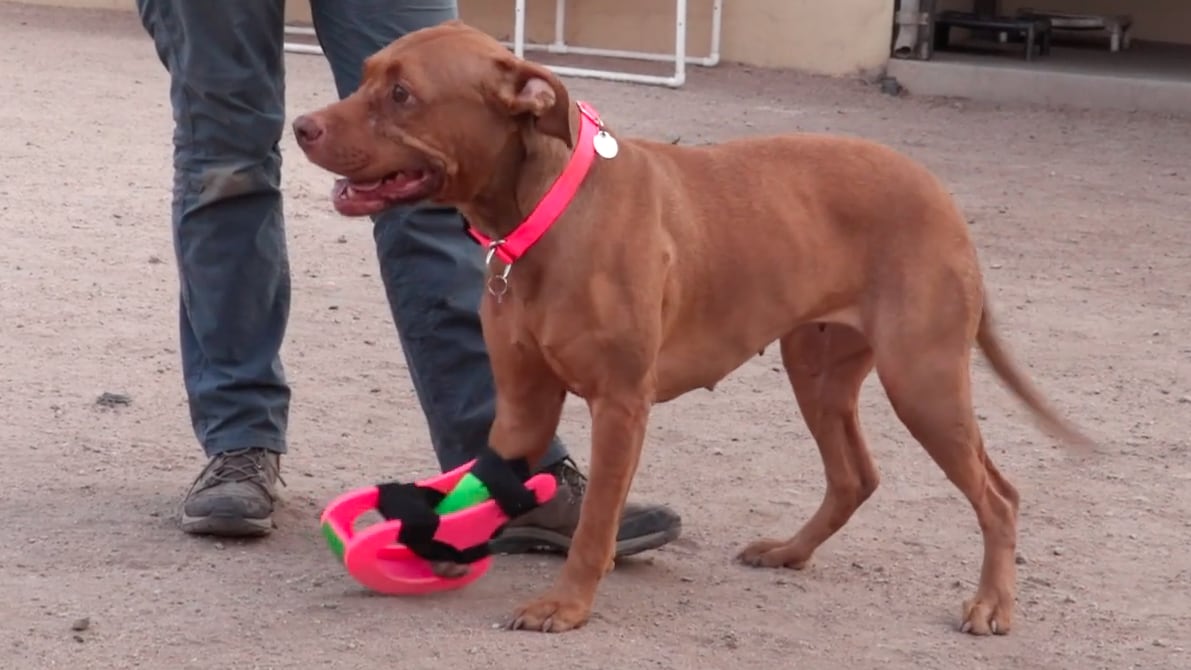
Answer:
(506, 483)
(414, 505)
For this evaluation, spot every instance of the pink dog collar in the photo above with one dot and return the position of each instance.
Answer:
(560, 194)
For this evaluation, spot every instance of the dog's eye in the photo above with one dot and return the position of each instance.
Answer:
(400, 95)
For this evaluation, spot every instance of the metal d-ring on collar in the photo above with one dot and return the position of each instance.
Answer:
(498, 285)
(602, 144)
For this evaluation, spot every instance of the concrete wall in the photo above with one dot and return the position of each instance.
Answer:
(1157, 20)
(835, 37)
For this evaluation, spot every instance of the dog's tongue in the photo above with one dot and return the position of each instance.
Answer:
(366, 185)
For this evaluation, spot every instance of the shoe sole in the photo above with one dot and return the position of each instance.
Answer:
(528, 540)
(226, 526)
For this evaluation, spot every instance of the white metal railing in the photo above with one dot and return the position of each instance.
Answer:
(679, 57)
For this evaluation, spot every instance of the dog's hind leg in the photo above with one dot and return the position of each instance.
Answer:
(926, 375)
(826, 364)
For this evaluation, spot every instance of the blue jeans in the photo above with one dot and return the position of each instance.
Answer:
(227, 90)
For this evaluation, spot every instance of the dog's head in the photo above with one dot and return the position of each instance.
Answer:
(435, 112)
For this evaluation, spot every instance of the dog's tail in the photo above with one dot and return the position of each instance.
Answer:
(1004, 367)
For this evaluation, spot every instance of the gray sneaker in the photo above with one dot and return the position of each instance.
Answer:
(234, 494)
(549, 528)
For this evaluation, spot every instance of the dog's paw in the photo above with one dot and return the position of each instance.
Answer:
(767, 553)
(550, 614)
(989, 614)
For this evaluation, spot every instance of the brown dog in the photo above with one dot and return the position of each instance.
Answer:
(669, 268)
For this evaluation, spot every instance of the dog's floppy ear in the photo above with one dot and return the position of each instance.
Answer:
(529, 88)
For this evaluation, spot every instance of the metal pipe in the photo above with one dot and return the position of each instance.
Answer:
(559, 45)
(304, 48)
(717, 26)
(907, 20)
(612, 75)
(560, 27)
(679, 44)
(519, 29)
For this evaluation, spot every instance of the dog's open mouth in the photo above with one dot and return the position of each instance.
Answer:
(361, 198)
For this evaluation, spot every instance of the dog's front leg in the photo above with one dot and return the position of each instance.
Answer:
(618, 432)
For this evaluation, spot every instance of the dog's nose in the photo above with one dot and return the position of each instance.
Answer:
(307, 129)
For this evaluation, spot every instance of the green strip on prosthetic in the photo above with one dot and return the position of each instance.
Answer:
(333, 540)
(468, 491)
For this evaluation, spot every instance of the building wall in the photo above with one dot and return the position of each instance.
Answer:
(835, 37)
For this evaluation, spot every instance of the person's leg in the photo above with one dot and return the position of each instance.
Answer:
(227, 95)
(433, 276)
(432, 272)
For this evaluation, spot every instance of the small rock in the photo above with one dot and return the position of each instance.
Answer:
(1057, 551)
(77, 637)
(1159, 643)
(107, 399)
(686, 579)
(1185, 400)
(342, 239)
(730, 640)
(717, 452)
(155, 260)
(80, 625)
(1069, 600)
(891, 86)
(1019, 559)
(219, 545)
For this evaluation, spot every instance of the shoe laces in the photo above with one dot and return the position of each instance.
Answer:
(573, 478)
(239, 465)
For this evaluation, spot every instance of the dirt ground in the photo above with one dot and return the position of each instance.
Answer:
(1083, 220)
